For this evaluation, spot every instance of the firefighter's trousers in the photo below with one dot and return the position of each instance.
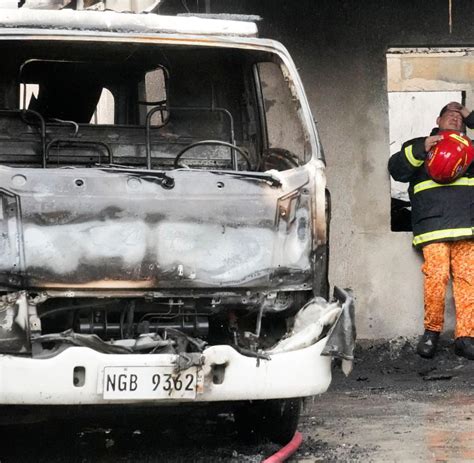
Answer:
(442, 260)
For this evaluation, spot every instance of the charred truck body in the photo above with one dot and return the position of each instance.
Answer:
(163, 217)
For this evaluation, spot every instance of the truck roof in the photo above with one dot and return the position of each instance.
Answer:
(110, 21)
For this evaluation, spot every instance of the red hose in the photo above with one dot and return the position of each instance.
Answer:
(285, 452)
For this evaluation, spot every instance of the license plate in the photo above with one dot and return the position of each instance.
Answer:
(149, 383)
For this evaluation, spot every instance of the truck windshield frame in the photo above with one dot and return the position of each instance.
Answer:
(229, 118)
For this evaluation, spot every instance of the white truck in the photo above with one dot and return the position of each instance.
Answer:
(163, 219)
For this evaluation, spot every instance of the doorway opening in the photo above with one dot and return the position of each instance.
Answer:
(420, 81)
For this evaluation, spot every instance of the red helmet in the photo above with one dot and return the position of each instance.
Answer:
(450, 157)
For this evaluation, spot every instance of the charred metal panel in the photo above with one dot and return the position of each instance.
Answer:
(11, 236)
(97, 229)
(15, 323)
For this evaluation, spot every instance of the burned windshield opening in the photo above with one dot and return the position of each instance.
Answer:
(143, 106)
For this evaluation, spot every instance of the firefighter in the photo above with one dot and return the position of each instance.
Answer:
(443, 221)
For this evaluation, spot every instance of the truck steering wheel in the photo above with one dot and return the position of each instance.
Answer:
(177, 164)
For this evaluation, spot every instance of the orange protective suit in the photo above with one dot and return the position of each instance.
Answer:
(443, 260)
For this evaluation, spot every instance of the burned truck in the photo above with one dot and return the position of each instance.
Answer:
(164, 219)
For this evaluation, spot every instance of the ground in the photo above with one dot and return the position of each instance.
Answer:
(394, 406)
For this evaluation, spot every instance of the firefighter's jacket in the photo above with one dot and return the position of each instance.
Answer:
(439, 212)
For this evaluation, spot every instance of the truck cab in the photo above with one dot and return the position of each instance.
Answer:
(164, 219)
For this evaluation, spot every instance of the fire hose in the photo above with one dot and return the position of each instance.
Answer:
(285, 452)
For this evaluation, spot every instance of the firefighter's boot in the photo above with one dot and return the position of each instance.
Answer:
(426, 347)
(464, 346)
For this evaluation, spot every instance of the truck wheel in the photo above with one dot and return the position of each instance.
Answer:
(275, 420)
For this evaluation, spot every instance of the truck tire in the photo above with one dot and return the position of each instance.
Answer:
(275, 420)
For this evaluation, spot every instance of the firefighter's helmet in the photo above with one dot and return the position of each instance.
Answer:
(450, 157)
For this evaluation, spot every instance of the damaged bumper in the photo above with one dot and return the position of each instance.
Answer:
(342, 335)
(297, 367)
(224, 375)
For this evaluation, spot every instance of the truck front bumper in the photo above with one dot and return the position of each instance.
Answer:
(52, 381)
(77, 375)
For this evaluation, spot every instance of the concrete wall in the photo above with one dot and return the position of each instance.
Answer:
(340, 49)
